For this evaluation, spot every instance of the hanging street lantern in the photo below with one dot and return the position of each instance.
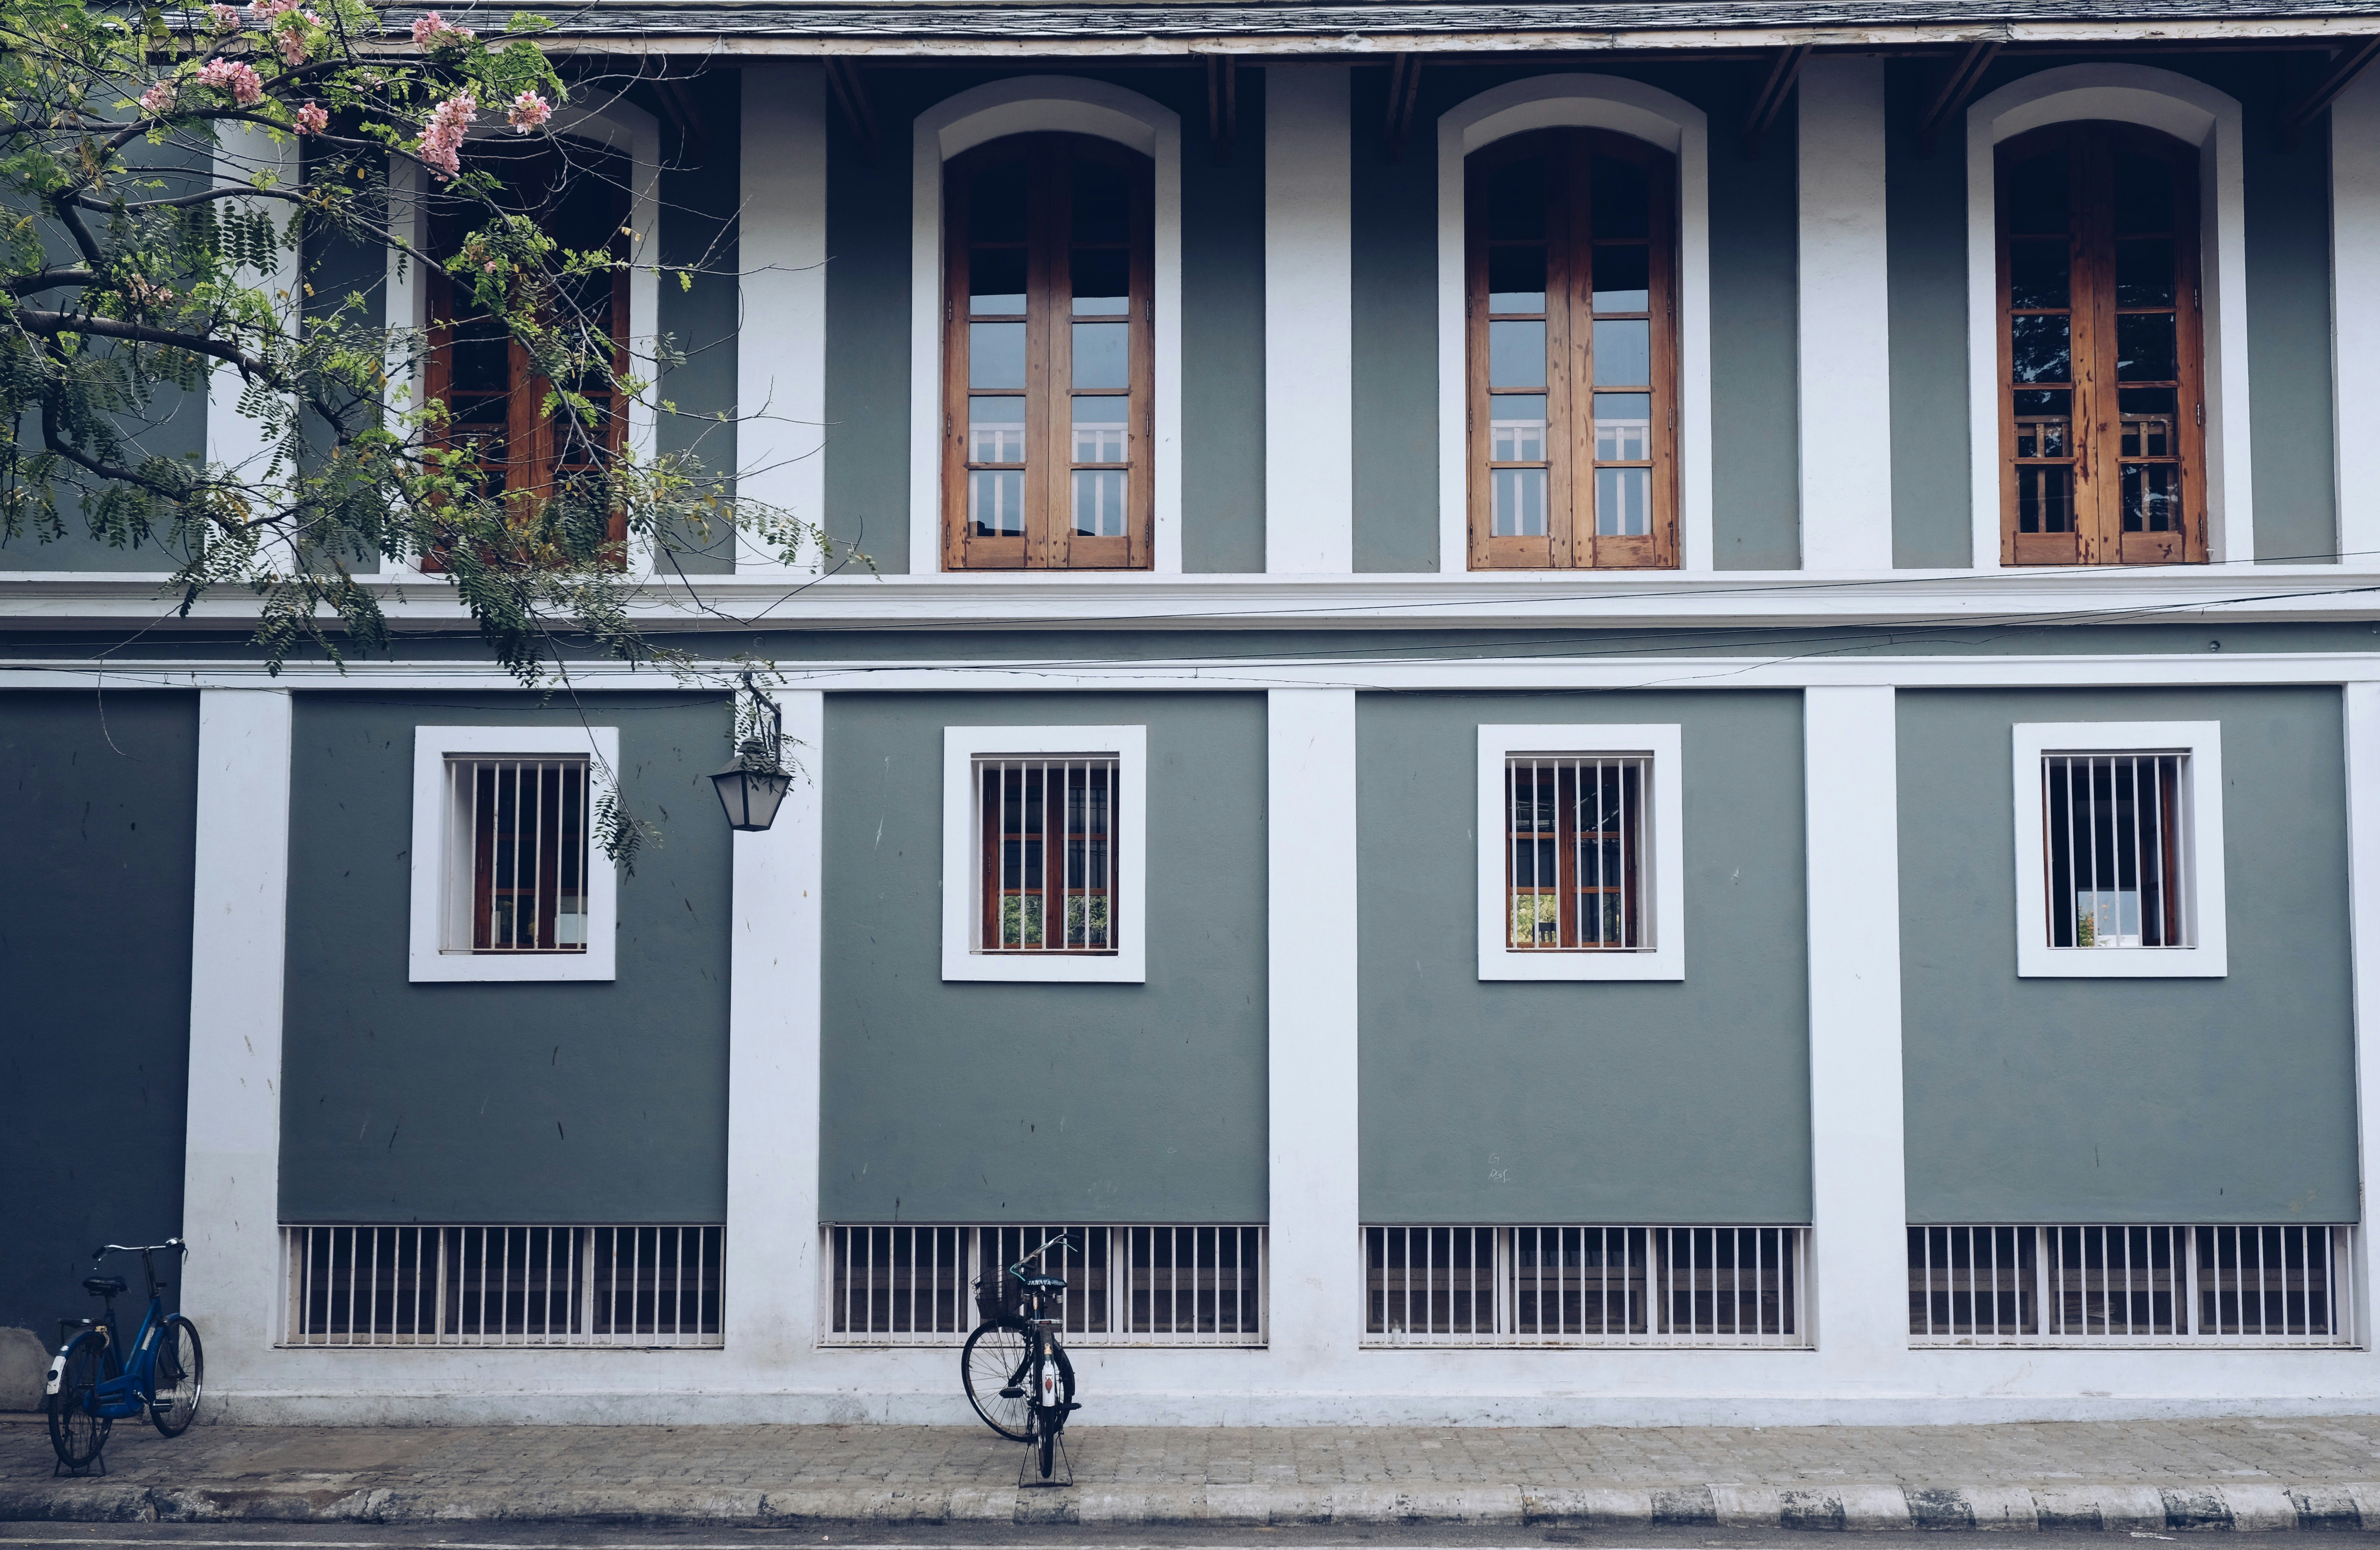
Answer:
(756, 780)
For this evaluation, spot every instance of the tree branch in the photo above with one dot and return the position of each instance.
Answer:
(50, 324)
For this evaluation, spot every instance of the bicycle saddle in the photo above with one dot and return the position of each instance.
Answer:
(1046, 1283)
(102, 1285)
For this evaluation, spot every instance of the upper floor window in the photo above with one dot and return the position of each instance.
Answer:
(2102, 397)
(1571, 322)
(495, 394)
(1047, 354)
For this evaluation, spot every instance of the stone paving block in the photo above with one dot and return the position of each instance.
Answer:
(2001, 1507)
(1587, 1506)
(2260, 1507)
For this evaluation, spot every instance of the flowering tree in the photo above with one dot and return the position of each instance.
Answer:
(161, 167)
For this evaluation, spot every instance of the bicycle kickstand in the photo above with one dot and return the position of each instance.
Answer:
(1028, 1479)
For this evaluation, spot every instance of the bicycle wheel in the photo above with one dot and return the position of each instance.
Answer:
(75, 1435)
(1048, 1450)
(181, 1373)
(995, 1358)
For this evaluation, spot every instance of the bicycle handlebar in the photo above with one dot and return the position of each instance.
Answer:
(1066, 1239)
(107, 1249)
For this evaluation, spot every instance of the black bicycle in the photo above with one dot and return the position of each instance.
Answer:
(1015, 1368)
(97, 1380)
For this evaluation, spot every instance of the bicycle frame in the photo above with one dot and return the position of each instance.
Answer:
(133, 1390)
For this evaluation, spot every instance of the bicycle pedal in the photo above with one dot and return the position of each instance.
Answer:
(1074, 1404)
(1012, 1393)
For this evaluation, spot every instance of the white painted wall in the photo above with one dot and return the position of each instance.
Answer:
(781, 358)
(1843, 325)
(231, 1160)
(2355, 352)
(1309, 321)
(2363, 710)
(236, 441)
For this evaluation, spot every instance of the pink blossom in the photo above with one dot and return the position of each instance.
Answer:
(430, 30)
(527, 111)
(312, 120)
(292, 44)
(265, 10)
(442, 137)
(232, 76)
(225, 18)
(157, 99)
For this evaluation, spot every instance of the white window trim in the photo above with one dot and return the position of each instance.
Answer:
(1590, 102)
(1033, 104)
(2202, 787)
(2190, 111)
(429, 962)
(961, 856)
(1667, 960)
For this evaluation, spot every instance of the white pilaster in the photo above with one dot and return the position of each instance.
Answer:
(2355, 306)
(1858, 1189)
(231, 1189)
(2363, 914)
(1317, 1304)
(781, 363)
(772, 1063)
(1309, 322)
(1846, 363)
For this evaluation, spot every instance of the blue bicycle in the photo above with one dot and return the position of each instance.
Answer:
(94, 1383)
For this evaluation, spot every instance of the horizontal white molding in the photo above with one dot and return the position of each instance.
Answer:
(2127, 670)
(2080, 595)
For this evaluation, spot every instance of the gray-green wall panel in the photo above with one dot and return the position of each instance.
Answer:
(987, 1102)
(1925, 264)
(2291, 428)
(1223, 332)
(95, 901)
(527, 1102)
(700, 189)
(1756, 238)
(867, 228)
(1525, 1102)
(1394, 302)
(2114, 1100)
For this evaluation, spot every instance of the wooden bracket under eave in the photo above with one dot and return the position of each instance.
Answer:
(1222, 106)
(851, 96)
(1957, 87)
(1404, 90)
(2349, 63)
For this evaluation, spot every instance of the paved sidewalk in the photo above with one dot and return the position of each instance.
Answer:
(2137, 1476)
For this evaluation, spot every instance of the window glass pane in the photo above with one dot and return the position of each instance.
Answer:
(2039, 348)
(995, 429)
(1624, 427)
(2038, 275)
(1098, 503)
(2152, 496)
(1516, 199)
(2036, 191)
(2144, 350)
(1623, 352)
(1519, 501)
(1102, 355)
(1516, 279)
(1624, 501)
(2045, 498)
(996, 503)
(1516, 427)
(1622, 204)
(2144, 271)
(1516, 354)
(1102, 202)
(2143, 193)
(996, 355)
(1100, 429)
(996, 203)
(1623, 278)
(996, 280)
(1102, 281)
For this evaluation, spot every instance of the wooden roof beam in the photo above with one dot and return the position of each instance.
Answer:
(1957, 87)
(1404, 90)
(1763, 111)
(2351, 62)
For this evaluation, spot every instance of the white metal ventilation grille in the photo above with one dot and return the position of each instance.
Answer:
(1585, 1286)
(2118, 865)
(503, 1286)
(517, 854)
(1576, 853)
(2230, 1285)
(1047, 829)
(1125, 1285)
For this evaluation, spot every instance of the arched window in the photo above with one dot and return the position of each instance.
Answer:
(2102, 404)
(1048, 351)
(1571, 317)
(493, 393)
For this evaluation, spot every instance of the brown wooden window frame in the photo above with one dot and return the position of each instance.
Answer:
(1047, 468)
(532, 460)
(1569, 461)
(2033, 456)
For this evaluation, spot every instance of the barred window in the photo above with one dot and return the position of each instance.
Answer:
(1049, 867)
(2119, 869)
(523, 822)
(1576, 830)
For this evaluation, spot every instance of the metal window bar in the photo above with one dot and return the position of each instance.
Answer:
(1126, 1285)
(2116, 856)
(1585, 1286)
(1049, 854)
(504, 1285)
(522, 825)
(2132, 1284)
(1576, 836)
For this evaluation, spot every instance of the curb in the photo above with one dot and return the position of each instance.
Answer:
(2108, 1508)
